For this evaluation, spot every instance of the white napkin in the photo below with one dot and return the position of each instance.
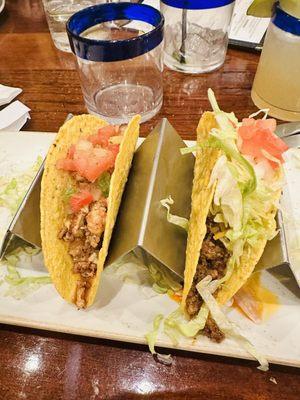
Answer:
(7, 94)
(14, 116)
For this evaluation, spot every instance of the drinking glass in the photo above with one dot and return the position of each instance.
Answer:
(118, 47)
(196, 34)
(57, 14)
(277, 81)
(59, 11)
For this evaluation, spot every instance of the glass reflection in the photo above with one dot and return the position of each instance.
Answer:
(32, 363)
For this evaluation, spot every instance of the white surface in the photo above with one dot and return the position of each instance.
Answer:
(7, 93)
(290, 204)
(18, 152)
(125, 312)
(246, 28)
(14, 116)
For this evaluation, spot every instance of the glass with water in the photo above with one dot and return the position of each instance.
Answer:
(196, 33)
(59, 11)
(118, 47)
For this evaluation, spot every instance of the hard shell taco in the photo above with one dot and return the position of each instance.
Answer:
(236, 190)
(85, 173)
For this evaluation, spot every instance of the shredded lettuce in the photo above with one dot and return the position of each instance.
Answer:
(243, 170)
(175, 323)
(151, 336)
(68, 194)
(13, 191)
(226, 326)
(162, 281)
(20, 286)
(227, 194)
(165, 359)
(103, 183)
(174, 219)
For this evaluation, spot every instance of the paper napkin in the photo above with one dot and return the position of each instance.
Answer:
(14, 116)
(7, 94)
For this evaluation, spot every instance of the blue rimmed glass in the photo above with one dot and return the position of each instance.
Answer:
(119, 55)
(277, 81)
(196, 33)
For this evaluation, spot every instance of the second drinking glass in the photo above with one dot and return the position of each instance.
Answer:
(196, 33)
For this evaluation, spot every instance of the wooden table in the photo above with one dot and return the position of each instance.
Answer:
(69, 367)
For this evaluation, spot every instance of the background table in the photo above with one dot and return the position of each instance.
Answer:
(44, 365)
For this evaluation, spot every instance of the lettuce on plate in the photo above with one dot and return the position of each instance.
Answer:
(12, 191)
(20, 286)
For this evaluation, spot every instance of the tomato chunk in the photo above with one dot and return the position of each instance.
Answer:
(257, 137)
(93, 156)
(71, 151)
(66, 164)
(80, 199)
(103, 135)
(114, 148)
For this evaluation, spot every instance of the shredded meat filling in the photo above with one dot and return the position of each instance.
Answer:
(83, 231)
(212, 261)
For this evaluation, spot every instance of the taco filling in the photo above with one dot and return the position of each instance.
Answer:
(90, 163)
(236, 191)
(212, 261)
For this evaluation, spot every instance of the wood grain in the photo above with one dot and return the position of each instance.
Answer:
(49, 366)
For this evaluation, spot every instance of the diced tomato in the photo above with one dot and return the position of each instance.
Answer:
(66, 164)
(114, 148)
(269, 123)
(81, 165)
(81, 199)
(258, 135)
(95, 139)
(89, 161)
(71, 151)
(92, 167)
(248, 121)
(98, 152)
(84, 145)
(103, 135)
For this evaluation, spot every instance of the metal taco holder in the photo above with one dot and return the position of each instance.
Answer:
(158, 170)
(24, 229)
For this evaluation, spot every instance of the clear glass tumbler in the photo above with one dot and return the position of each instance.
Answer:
(196, 34)
(120, 59)
(277, 81)
(57, 14)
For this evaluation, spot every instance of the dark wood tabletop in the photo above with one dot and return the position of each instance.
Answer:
(45, 365)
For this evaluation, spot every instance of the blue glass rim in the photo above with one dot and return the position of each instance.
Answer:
(197, 4)
(114, 50)
(285, 21)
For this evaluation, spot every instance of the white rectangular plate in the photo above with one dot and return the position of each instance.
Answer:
(125, 311)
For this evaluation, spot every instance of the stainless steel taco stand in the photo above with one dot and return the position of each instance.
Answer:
(158, 170)
(25, 226)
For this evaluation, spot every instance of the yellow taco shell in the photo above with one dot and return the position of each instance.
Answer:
(202, 197)
(53, 210)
